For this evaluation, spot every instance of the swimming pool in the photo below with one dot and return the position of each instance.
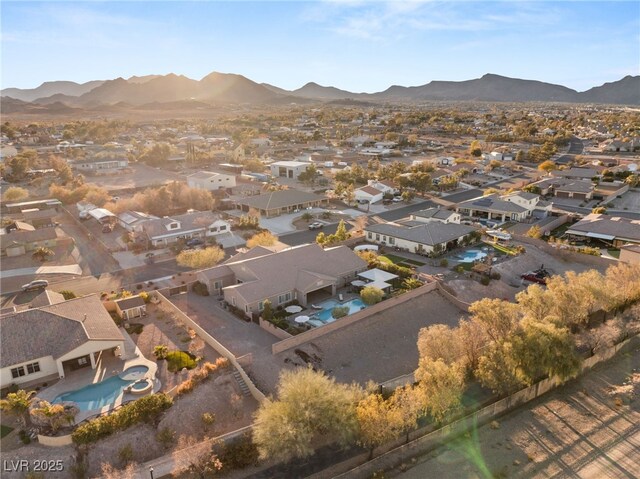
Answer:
(470, 256)
(104, 393)
(325, 315)
(95, 396)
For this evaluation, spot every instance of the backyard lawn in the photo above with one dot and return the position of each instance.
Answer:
(399, 260)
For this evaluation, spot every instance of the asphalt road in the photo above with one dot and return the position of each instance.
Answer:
(576, 147)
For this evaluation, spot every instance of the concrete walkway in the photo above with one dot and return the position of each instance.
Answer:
(68, 269)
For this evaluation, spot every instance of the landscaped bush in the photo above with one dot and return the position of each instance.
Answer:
(444, 262)
(485, 280)
(200, 289)
(495, 275)
(201, 374)
(177, 360)
(146, 409)
(135, 328)
(68, 294)
(340, 311)
(238, 454)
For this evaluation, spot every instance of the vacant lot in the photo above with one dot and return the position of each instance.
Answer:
(589, 428)
(380, 347)
(629, 201)
(136, 176)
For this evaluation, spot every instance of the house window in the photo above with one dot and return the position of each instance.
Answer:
(261, 306)
(377, 237)
(82, 361)
(369, 235)
(33, 368)
(246, 308)
(223, 228)
(217, 285)
(233, 300)
(173, 226)
(283, 298)
(213, 230)
(392, 240)
(17, 372)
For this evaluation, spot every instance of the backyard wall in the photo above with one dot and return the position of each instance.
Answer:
(316, 333)
(55, 441)
(461, 305)
(273, 329)
(211, 341)
(426, 439)
(565, 255)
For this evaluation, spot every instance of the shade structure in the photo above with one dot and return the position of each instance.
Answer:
(358, 283)
(293, 309)
(302, 319)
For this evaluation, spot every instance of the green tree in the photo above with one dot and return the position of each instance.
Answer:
(442, 386)
(371, 295)
(264, 238)
(321, 239)
(409, 402)
(408, 196)
(54, 415)
(534, 232)
(547, 166)
(498, 369)
(68, 294)
(15, 193)
(198, 259)
(267, 310)
(497, 318)
(378, 422)
(310, 406)
(341, 232)
(599, 210)
(307, 216)
(475, 149)
(18, 404)
(439, 341)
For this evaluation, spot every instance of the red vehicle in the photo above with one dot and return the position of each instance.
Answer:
(538, 276)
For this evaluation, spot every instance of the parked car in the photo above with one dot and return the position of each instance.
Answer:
(315, 225)
(195, 242)
(35, 284)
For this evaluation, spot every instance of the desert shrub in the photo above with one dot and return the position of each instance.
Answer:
(208, 419)
(135, 328)
(485, 280)
(239, 454)
(68, 294)
(340, 311)
(495, 275)
(166, 437)
(459, 269)
(125, 454)
(444, 262)
(145, 297)
(371, 295)
(201, 374)
(146, 409)
(161, 351)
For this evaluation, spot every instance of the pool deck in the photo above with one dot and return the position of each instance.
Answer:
(106, 366)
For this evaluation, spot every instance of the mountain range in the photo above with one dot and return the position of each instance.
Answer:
(177, 91)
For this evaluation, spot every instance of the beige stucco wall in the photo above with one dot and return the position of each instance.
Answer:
(47, 368)
(91, 347)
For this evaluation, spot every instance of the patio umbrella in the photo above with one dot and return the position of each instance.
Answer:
(293, 309)
(302, 319)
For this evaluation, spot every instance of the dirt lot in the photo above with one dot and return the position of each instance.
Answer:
(136, 176)
(588, 428)
(380, 347)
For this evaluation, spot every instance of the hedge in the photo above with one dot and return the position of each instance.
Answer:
(146, 409)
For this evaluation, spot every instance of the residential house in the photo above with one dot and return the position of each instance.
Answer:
(368, 194)
(37, 218)
(305, 273)
(436, 214)
(618, 146)
(576, 173)
(22, 241)
(48, 342)
(281, 202)
(613, 230)
(429, 238)
(211, 181)
(131, 307)
(100, 164)
(493, 207)
(132, 221)
(387, 187)
(288, 169)
(165, 231)
(578, 190)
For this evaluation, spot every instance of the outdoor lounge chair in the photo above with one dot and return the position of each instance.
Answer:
(340, 297)
(315, 306)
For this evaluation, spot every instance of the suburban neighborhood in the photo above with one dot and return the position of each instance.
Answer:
(227, 278)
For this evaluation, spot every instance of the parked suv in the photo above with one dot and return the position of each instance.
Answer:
(35, 284)
(315, 226)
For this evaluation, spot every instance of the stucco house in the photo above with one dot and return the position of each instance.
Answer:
(494, 207)
(48, 342)
(435, 214)
(131, 307)
(199, 224)
(22, 241)
(304, 273)
(432, 237)
(614, 230)
(368, 194)
(281, 202)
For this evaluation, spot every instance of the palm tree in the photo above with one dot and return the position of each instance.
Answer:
(55, 415)
(18, 404)
(42, 253)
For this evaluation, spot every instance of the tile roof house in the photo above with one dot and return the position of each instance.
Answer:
(615, 230)
(419, 237)
(276, 203)
(576, 173)
(368, 194)
(199, 224)
(131, 307)
(435, 214)
(50, 341)
(19, 242)
(495, 207)
(303, 273)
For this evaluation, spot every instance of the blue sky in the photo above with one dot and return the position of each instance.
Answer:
(350, 44)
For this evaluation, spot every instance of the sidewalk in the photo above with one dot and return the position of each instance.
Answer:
(68, 269)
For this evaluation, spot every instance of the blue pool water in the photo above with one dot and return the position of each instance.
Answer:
(325, 315)
(95, 396)
(471, 255)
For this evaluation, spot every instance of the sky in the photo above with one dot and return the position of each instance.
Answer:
(360, 46)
